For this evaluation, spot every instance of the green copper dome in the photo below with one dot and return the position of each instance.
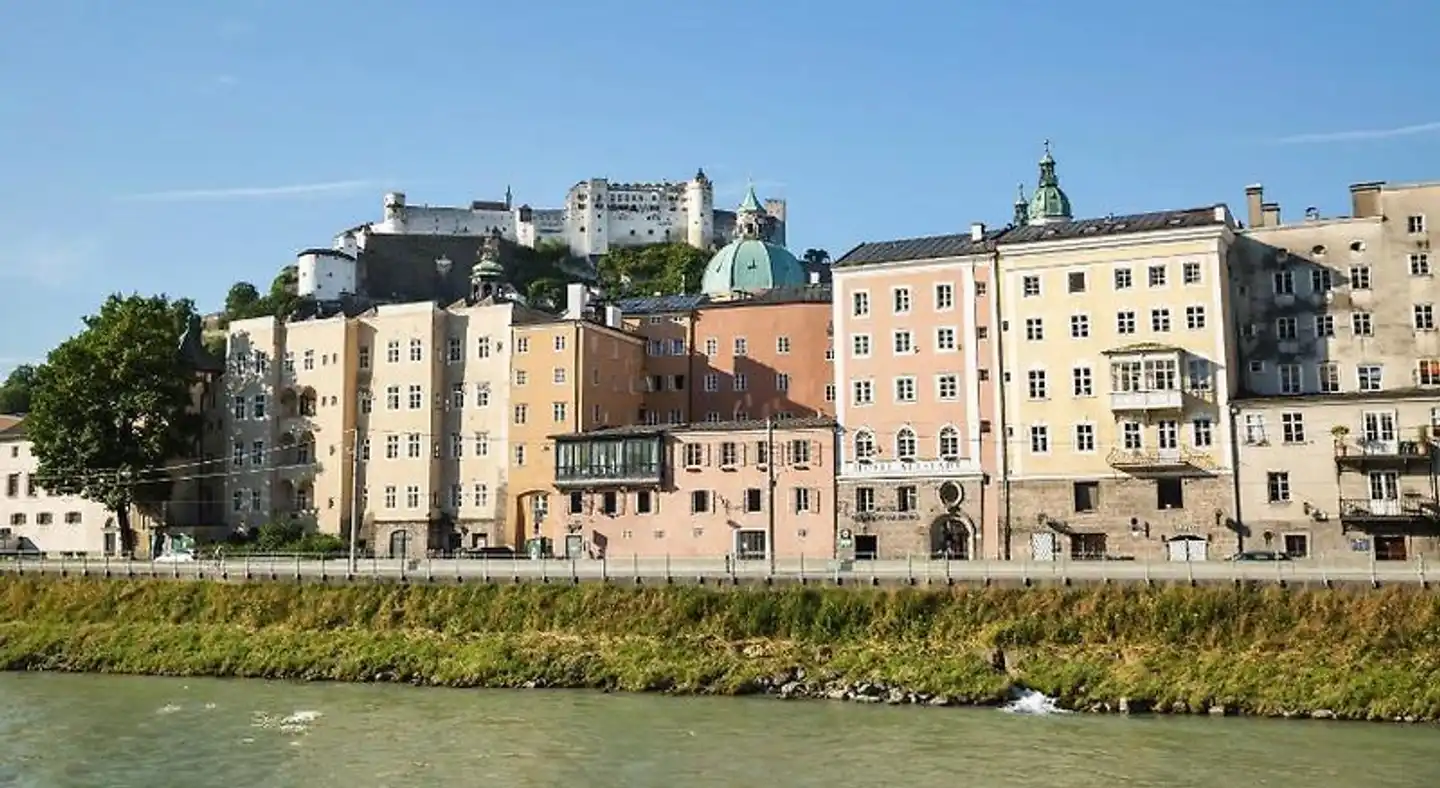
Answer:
(1048, 204)
(750, 265)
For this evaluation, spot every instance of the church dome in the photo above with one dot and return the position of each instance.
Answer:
(1049, 203)
(750, 265)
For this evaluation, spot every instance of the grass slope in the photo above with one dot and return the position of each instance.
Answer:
(1364, 655)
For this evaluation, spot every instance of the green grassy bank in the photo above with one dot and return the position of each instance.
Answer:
(1370, 655)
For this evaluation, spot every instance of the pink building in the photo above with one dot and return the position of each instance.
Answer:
(915, 398)
(699, 490)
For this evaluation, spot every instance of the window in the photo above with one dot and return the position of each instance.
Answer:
(1131, 438)
(1124, 280)
(1427, 372)
(711, 381)
(454, 349)
(1160, 320)
(905, 444)
(558, 376)
(945, 340)
(1286, 328)
(413, 446)
(307, 360)
(1360, 277)
(520, 413)
(392, 447)
(1156, 275)
(521, 377)
(907, 498)
(864, 445)
(412, 496)
(1085, 437)
(712, 347)
(905, 389)
(901, 300)
(1283, 282)
(1292, 427)
(860, 345)
(558, 412)
(1079, 326)
(1424, 317)
(1075, 281)
(1190, 272)
(1328, 378)
(860, 304)
(482, 395)
(1419, 264)
(1277, 486)
(644, 504)
(482, 347)
(1030, 286)
(864, 499)
(1322, 280)
(1194, 317)
(257, 453)
(1255, 429)
(257, 407)
(1362, 324)
(699, 501)
(1039, 439)
(1324, 326)
(1167, 434)
(520, 454)
(1034, 329)
(944, 297)
(904, 342)
(949, 443)
(559, 343)
(741, 346)
(1415, 224)
(739, 382)
(1087, 496)
(829, 393)
(782, 381)
(947, 387)
(1199, 374)
(416, 397)
(782, 345)
(362, 359)
(1038, 386)
(1290, 378)
(522, 344)
(457, 445)
(800, 500)
(1369, 377)
(392, 351)
(238, 408)
(1125, 322)
(391, 495)
(864, 392)
(1202, 433)
(417, 350)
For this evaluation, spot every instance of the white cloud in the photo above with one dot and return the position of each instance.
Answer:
(50, 262)
(250, 192)
(1361, 135)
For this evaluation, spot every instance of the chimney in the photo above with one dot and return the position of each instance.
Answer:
(1270, 214)
(1254, 198)
(612, 316)
(1222, 213)
(1365, 199)
(577, 297)
(977, 231)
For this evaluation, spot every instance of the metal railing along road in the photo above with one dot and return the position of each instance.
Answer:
(721, 569)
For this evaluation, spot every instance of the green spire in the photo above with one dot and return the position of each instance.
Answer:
(1049, 203)
(751, 203)
(1022, 207)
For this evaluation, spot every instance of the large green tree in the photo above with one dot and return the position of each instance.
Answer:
(666, 269)
(16, 392)
(112, 406)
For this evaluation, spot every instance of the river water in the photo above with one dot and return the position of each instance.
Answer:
(58, 731)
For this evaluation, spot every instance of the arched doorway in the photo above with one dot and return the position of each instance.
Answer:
(952, 536)
(399, 544)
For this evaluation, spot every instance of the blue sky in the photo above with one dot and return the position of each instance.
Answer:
(169, 146)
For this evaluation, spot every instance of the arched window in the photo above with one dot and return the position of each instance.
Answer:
(905, 444)
(949, 443)
(864, 445)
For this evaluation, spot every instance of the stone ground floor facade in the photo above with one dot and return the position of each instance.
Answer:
(1333, 543)
(917, 517)
(1126, 518)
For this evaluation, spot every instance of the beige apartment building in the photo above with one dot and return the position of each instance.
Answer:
(1117, 379)
(32, 519)
(699, 490)
(568, 375)
(397, 415)
(916, 395)
(1340, 400)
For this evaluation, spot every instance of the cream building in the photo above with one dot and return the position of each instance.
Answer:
(1341, 384)
(1116, 382)
(32, 519)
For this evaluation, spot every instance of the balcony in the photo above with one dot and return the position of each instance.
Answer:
(1387, 511)
(609, 462)
(604, 474)
(1157, 399)
(1376, 453)
(1177, 460)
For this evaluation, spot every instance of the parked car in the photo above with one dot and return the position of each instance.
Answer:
(176, 557)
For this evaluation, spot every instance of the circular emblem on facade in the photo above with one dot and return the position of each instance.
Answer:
(845, 533)
(952, 494)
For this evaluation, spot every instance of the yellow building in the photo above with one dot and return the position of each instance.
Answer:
(1116, 382)
(568, 375)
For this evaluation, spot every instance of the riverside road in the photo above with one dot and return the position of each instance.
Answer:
(718, 571)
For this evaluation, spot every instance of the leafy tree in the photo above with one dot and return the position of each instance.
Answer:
(242, 301)
(816, 257)
(16, 392)
(667, 269)
(112, 405)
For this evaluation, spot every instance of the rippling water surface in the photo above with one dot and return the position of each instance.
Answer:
(58, 731)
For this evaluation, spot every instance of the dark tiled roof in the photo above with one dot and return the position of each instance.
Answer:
(935, 246)
(635, 430)
(658, 305)
(1114, 225)
(12, 428)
